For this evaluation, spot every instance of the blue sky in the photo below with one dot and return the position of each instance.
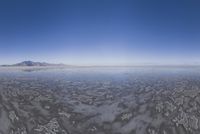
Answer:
(100, 32)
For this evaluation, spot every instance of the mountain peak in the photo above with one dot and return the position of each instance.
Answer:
(32, 63)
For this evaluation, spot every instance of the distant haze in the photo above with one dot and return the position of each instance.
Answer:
(100, 32)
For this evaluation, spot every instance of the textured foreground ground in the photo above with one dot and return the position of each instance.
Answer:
(102, 102)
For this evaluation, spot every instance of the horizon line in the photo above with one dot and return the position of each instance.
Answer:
(109, 65)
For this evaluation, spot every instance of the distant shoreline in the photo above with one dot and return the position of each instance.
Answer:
(98, 66)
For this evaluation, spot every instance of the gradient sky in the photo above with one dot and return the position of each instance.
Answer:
(100, 32)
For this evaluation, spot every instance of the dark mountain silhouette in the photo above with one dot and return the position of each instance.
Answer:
(31, 63)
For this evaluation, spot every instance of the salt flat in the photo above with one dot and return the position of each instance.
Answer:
(100, 100)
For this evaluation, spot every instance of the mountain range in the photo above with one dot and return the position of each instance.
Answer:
(32, 64)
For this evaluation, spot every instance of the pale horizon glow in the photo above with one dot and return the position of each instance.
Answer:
(98, 32)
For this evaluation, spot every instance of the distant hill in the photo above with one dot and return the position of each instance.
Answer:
(32, 64)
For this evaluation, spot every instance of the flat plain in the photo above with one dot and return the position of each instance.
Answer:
(132, 100)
